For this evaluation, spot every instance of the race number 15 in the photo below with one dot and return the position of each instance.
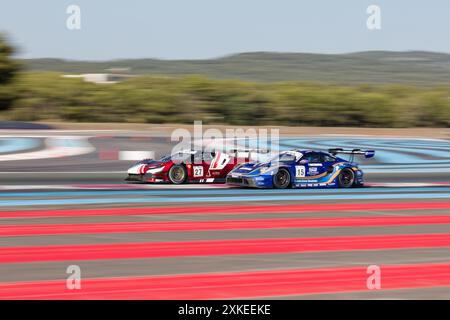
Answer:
(299, 171)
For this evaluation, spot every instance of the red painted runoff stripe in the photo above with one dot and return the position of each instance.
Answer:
(326, 207)
(219, 247)
(235, 285)
(127, 227)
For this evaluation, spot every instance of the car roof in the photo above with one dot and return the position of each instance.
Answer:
(309, 151)
(187, 151)
(299, 151)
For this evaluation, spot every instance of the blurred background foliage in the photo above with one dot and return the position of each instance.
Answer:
(8, 70)
(46, 96)
(151, 99)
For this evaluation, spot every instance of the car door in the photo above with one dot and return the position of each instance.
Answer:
(327, 162)
(199, 168)
(310, 166)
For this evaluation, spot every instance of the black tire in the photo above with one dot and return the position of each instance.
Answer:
(346, 178)
(177, 174)
(282, 179)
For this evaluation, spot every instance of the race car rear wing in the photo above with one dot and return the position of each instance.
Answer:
(353, 152)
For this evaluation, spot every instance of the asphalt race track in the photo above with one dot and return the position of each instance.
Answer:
(63, 202)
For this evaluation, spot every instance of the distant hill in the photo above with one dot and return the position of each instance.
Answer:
(414, 67)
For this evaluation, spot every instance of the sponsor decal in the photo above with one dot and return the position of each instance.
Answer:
(312, 170)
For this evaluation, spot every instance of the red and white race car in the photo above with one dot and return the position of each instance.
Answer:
(188, 166)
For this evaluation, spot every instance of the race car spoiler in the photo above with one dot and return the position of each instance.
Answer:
(366, 153)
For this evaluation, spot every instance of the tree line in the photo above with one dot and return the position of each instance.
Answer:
(47, 96)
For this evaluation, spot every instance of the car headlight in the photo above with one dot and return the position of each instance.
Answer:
(265, 169)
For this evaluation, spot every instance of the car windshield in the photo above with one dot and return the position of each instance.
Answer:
(165, 158)
(181, 156)
(287, 156)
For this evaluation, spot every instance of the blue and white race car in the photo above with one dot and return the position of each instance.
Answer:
(302, 169)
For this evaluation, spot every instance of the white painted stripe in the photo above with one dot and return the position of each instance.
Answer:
(114, 186)
(60, 172)
(39, 135)
(373, 173)
(125, 186)
(379, 137)
(35, 187)
(408, 184)
(56, 147)
(135, 155)
(406, 170)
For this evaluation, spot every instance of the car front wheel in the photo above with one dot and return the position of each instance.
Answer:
(281, 179)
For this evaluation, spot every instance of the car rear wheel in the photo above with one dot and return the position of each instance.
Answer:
(177, 174)
(346, 178)
(281, 179)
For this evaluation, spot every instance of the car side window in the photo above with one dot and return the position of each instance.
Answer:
(199, 157)
(327, 158)
(181, 157)
(312, 157)
(286, 157)
(208, 157)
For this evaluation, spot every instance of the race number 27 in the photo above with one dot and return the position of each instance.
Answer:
(198, 171)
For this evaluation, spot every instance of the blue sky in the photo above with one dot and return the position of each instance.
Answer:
(196, 29)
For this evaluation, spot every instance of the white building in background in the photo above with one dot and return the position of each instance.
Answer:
(115, 75)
